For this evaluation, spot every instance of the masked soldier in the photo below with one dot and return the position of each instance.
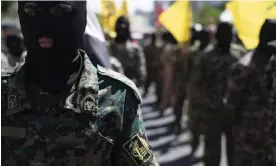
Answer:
(192, 72)
(211, 85)
(152, 55)
(168, 59)
(247, 99)
(58, 109)
(130, 54)
(271, 88)
(14, 54)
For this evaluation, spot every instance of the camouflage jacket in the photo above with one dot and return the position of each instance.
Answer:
(98, 123)
(212, 79)
(132, 59)
(271, 86)
(246, 97)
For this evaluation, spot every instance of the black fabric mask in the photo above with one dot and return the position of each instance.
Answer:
(224, 36)
(62, 21)
(267, 34)
(122, 30)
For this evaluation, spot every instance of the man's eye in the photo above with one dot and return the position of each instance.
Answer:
(31, 9)
(61, 9)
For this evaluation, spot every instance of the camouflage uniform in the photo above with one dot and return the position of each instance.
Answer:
(271, 86)
(191, 78)
(212, 120)
(168, 60)
(153, 63)
(246, 100)
(97, 123)
(132, 59)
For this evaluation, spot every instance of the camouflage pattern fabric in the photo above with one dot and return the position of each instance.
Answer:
(271, 86)
(98, 123)
(212, 119)
(246, 98)
(132, 58)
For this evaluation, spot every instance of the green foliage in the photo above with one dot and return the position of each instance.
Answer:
(207, 12)
(5, 5)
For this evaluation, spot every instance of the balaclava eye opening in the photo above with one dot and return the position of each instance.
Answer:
(122, 28)
(66, 30)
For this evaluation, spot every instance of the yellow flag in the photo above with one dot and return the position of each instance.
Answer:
(123, 11)
(108, 16)
(248, 18)
(177, 19)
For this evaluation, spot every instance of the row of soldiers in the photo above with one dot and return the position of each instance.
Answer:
(229, 90)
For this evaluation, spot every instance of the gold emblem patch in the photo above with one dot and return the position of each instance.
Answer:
(89, 104)
(12, 101)
(137, 150)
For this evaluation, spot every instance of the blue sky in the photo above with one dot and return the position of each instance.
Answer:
(146, 5)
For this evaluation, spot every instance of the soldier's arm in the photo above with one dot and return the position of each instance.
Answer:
(142, 62)
(132, 147)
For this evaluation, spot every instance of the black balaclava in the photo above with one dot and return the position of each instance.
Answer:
(169, 38)
(264, 51)
(224, 36)
(267, 34)
(15, 45)
(204, 37)
(122, 29)
(63, 23)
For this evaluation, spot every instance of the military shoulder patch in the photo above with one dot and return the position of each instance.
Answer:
(138, 151)
(121, 78)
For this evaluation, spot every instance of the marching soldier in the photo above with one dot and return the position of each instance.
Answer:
(247, 100)
(130, 54)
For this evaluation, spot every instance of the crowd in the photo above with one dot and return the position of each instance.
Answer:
(230, 90)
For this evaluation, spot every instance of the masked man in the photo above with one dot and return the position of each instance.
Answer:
(130, 54)
(58, 109)
(247, 98)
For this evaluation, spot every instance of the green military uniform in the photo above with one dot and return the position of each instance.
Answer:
(97, 122)
(212, 120)
(132, 59)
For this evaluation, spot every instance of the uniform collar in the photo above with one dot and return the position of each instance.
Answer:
(83, 96)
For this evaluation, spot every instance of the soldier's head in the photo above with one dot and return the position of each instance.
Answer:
(52, 30)
(224, 35)
(204, 38)
(122, 29)
(267, 37)
(169, 38)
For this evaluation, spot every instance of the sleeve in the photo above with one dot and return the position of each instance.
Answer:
(132, 147)
(142, 63)
(233, 97)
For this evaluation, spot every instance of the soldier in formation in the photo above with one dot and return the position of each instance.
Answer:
(247, 100)
(153, 64)
(57, 108)
(212, 120)
(130, 54)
